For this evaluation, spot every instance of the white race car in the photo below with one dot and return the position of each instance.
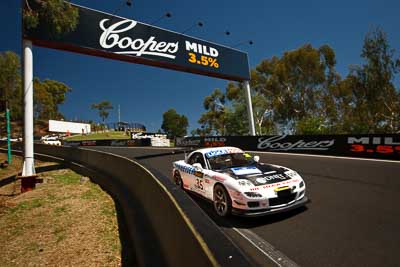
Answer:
(238, 184)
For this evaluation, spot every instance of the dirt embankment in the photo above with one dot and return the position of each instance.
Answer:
(65, 221)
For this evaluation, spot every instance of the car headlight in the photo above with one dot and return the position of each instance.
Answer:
(301, 184)
(245, 183)
(252, 194)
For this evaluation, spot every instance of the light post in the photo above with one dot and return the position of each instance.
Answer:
(11, 83)
(9, 158)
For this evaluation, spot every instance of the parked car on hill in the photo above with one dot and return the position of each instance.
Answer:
(51, 140)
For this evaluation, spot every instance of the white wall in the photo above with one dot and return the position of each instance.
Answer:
(66, 126)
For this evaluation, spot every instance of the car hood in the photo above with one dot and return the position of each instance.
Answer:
(259, 174)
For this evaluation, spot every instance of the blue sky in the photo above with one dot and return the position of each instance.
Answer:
(144, 93)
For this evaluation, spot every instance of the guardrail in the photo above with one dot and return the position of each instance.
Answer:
(162, 225)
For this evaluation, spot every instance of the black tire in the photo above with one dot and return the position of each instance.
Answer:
(222, 201)
(178, 179)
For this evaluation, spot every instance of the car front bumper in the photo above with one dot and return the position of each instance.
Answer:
(262, 212)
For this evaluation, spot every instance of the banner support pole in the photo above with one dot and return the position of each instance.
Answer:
(29, 166)
(252, 129)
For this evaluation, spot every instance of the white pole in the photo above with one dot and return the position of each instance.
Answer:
(249, 108)
(119, 113)
(29, 166)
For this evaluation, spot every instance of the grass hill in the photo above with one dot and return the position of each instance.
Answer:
(99, 136)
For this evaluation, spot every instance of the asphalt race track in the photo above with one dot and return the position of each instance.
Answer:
(353, 219)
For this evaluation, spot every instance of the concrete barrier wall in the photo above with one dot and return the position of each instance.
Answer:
(157, 221)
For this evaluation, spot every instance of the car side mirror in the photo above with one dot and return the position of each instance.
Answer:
(197, 166)
(256, 158)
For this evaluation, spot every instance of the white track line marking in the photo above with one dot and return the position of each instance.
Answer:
(324, 156)
(266, 248)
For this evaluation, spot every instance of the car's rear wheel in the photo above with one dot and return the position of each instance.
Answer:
(222, 201)
(178, 179)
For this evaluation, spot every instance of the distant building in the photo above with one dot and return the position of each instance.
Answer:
(69, 127)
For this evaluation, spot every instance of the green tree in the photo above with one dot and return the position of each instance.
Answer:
(48, 95)
(226, 114)
(373, 97)
(338, 107)
(302, 93)
(56, 16)
(10, 84)
(174, 125)
(236, 111)
(103, 108)
(262, 107)
(213, 120)
(296, 86)
(311, 125)
(287, 94)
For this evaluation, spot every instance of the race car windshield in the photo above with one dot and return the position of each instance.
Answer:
(226, 161)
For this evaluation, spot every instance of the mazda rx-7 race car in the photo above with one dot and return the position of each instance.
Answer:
(239, 184)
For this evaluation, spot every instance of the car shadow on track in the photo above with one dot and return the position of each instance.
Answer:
(244, 222)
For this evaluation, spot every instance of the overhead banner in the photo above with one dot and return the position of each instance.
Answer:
(105, 35)
(385, 146)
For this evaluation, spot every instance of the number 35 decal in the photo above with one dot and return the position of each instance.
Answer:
(199, 184)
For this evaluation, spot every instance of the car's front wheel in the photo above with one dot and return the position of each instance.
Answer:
(178, 179)
(222, 201)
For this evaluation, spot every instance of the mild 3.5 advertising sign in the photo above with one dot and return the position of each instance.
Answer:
(385, 146)
(105, 35)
